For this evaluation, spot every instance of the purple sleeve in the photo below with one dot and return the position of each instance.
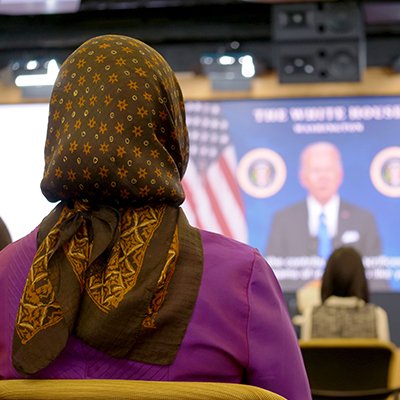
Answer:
(275, 360)
(15, 261)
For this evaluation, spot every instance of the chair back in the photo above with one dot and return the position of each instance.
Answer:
(349, 366)
(349, 369)
(129, 390)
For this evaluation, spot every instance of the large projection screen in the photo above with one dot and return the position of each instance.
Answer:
(244, 173)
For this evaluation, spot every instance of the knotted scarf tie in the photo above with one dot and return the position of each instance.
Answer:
(104, 274)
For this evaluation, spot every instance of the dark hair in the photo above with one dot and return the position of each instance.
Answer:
(344, 275)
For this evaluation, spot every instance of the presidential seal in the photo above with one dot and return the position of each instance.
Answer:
(385, 171)
(261, 172)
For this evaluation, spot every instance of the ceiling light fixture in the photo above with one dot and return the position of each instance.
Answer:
(38, 79)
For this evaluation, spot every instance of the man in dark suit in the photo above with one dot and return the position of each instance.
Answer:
(323, 221)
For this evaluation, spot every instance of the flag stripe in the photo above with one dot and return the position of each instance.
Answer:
(217, 211)
(231, 179)
(199, 200)
(232, 211)
(213, 197)
(192, 208)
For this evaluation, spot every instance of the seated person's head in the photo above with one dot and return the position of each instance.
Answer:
(344, 275)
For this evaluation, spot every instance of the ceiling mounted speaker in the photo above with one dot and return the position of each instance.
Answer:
(334, 61)
(318, 42)
(333, 20)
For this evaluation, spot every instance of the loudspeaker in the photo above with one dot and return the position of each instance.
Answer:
(319, 42)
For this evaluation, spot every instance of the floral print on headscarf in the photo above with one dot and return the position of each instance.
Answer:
(116, 129)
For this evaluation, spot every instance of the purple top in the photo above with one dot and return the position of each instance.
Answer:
(240, 330)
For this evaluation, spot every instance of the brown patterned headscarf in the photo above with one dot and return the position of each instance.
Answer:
(117, 263)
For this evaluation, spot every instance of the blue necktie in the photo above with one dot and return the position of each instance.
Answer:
(324, 241)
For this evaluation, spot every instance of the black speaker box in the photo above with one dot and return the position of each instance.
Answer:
(318, 42)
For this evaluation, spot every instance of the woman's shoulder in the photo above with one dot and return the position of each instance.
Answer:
(222, 249)
(223, 245)
(232, 259)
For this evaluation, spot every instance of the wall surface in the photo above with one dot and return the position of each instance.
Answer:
(376, 81)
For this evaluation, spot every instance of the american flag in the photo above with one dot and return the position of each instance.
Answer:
(213, 198)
